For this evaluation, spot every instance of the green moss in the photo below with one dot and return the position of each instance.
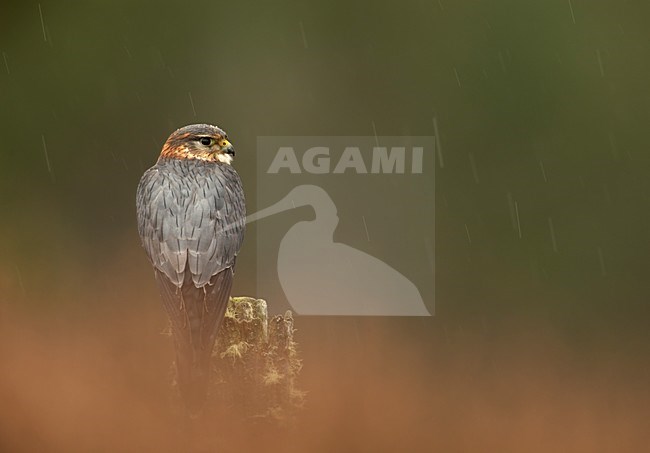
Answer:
(256, 363)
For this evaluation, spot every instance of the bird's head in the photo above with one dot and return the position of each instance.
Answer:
(199, 142)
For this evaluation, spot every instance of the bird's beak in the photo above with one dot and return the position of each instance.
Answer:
(227, 148)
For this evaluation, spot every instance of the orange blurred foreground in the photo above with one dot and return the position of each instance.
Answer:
(86, 385)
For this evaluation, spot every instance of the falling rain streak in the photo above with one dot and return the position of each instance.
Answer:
(4, 57)
(365, 225)
(573, 17)
(457, 78)
(472, 163)
(600, 63)
(304, 37)
(40, 12)
(469, 238)
(437, 144)
(541, 166)
(518, 223)
(47, 158)
(192, 102)
(552, 229)
(503, 63)
(128, 52)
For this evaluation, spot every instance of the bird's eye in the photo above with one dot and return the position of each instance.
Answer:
(206, 141)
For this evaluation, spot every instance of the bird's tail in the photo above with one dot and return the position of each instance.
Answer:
(195, 315)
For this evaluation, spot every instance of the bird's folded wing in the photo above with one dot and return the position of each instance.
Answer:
(194, 220)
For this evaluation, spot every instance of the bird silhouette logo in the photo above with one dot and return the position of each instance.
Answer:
(323, 277)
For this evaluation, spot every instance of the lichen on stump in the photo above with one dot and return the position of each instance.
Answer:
(255, 363)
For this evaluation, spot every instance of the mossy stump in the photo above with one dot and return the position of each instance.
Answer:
(255, 363)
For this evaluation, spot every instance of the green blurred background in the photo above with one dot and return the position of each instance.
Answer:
(541, 109)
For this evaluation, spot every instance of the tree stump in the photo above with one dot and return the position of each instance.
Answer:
(256, 363)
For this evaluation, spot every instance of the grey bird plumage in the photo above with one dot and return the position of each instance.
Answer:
(191, 220)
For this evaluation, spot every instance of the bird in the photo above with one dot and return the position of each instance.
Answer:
(191, 217)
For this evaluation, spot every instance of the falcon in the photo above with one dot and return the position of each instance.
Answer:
(191, 220)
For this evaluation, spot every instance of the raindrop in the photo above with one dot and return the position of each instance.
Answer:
(541, 166)
(503, 63)
(304, 37)
(4, 57)
(573, 17)
(457, 78)
(40, 12)
(192, 102)
(518, 223)
(472, 163)
(365, 225)
(374, 131)
(47, 158)
(437, 143)
(552, 229)
(128, 52)
(600, 63)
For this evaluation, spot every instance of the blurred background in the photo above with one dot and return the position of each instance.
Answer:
(540, 338)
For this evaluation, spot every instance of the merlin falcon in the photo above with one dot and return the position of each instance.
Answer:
(191, 220)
